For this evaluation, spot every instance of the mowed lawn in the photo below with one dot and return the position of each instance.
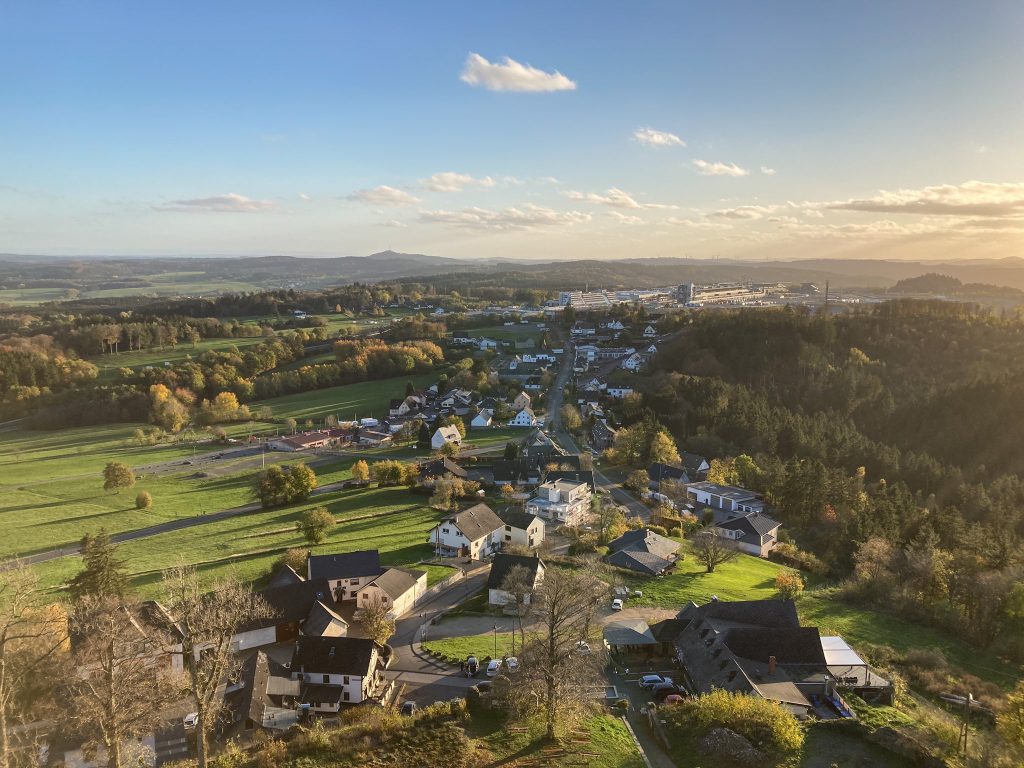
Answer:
(392, 520)
(362, 400)
(111, 364)
(751, 578)
(505, 332)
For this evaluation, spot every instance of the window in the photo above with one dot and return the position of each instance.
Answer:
(346, 696)
(508, 537)
(345, 680)
(353, 581)
(327, 679)
(508, 527)
(444, 530)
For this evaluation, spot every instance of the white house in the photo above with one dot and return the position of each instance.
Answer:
(561, 501)
(633, 363)
(485, 344)
(739, 515)
(444, 435)
(522, 529)
(724, 497)
(650, 331)
(525, 418)
(619, 392)
(345, 572)
(335, 671)
(614, 325)
(482, 419)
(501, 567)
(475, 533)
(523, 400)
(398, 588)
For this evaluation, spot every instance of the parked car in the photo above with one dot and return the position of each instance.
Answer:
(673, 698)
(583, 647)
(191, 720)
(617, 604)
(512, 663)
(409, 708)
(661, 692)
(493, 667)
(472, 666)
(649, 681)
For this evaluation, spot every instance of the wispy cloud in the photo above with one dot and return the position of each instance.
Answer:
(706, 168)
(625, 218)
(744, 212)
(767, 171)
(450, 181)
(510, 75)
(652, 138)
(614, 198)
(229, 203)
(383, 195)
(972, 198)
(526, 216)
(304, 197)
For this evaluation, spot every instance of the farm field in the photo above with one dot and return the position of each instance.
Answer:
(506, 332)
(389, 519)
(361, 400)
(110, 364)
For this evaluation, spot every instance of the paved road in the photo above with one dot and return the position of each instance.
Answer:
(566, 441)
(422, 678)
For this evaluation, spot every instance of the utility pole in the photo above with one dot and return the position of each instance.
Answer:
(826, 296)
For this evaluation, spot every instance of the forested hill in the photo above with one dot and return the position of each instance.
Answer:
(899, 388)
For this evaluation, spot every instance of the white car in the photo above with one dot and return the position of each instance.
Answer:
(583, 647)
(617, 604)
(512, 663)
(493, 667)
(190, 720)
(649, 681)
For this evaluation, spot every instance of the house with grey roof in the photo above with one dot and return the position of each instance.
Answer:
(345, 571)
(475, 533)
(740, 516)
(504, 564)
(398, 588)
(643, 551)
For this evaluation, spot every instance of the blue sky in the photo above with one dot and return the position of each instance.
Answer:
(777, 129)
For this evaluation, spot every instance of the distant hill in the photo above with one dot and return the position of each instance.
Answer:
(945, 285)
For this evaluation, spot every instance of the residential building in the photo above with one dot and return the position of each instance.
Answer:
(601, 435)
(658, 472)
(619, 392)
(614, 325)
(260, 696)
(752, 532)
(724, 497)
(696, 466)
(521, 529)
(345, 572)
(445, 435)
(432, 471)
(650, 331)
(567, 474)
(633, 363)
(475, 533)
(524, 418)
(758, 647)
(643, 551)
(335, 671)
(580, 328)
(502, 566)
(521, 401)
(295, 609)
(561, 501)
(482, 420)
(398, 588)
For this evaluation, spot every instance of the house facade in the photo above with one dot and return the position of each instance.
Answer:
(443, 436)
(345, 572)
(337, 671)
(522, 529)
(560, 501)
(521, 401)
(398, 588)
(524, 418)
(502, 566)
(475, 533)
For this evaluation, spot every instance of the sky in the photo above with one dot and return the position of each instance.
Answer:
(755, 130)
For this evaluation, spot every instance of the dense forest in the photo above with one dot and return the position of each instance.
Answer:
(885, 438)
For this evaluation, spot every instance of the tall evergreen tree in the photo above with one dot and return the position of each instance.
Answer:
(103, 574)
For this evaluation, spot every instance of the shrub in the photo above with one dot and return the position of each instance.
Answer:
(658, 529)
(789, 584)
(296, 558)
(676, 533)
(143, 500)
(925, 658)
(791, 555)
(764, 723)
(271, 754)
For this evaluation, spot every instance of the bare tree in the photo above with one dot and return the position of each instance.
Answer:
(122, 677)
(711, 549)
(31, 636)
(377, 621)
(519, 585)
(556, 675)
(206, 624)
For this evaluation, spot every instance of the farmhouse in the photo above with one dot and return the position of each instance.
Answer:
(503, 565)
(345, 572)
(443, 436)
(399, 588)
(475, 533)
(337, 670)
(295, 609)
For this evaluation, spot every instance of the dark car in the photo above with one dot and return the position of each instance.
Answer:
(660, 692)
(472, 665)
(409, 708)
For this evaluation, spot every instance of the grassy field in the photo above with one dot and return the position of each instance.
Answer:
(110, 364)
(506, 332)
(480, 646)
(362, 400)
(389, 519)
(751, 578)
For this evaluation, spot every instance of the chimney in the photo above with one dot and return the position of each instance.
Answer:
(771, 665)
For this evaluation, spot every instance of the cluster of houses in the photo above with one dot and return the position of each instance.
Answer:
(757, 648)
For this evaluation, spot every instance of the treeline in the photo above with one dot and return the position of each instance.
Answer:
(887, 424)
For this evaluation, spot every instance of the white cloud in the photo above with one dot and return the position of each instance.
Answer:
(652, 138)
(229, 203)
(972, 198)
(706, 168)
(696, 223)
(510, 75)
(625, 218)
(614, 198)
(304, 197)
(450, 181)
(383, 195)
(767, 171)
(394, 223)
(526, 216)
(744, 212)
